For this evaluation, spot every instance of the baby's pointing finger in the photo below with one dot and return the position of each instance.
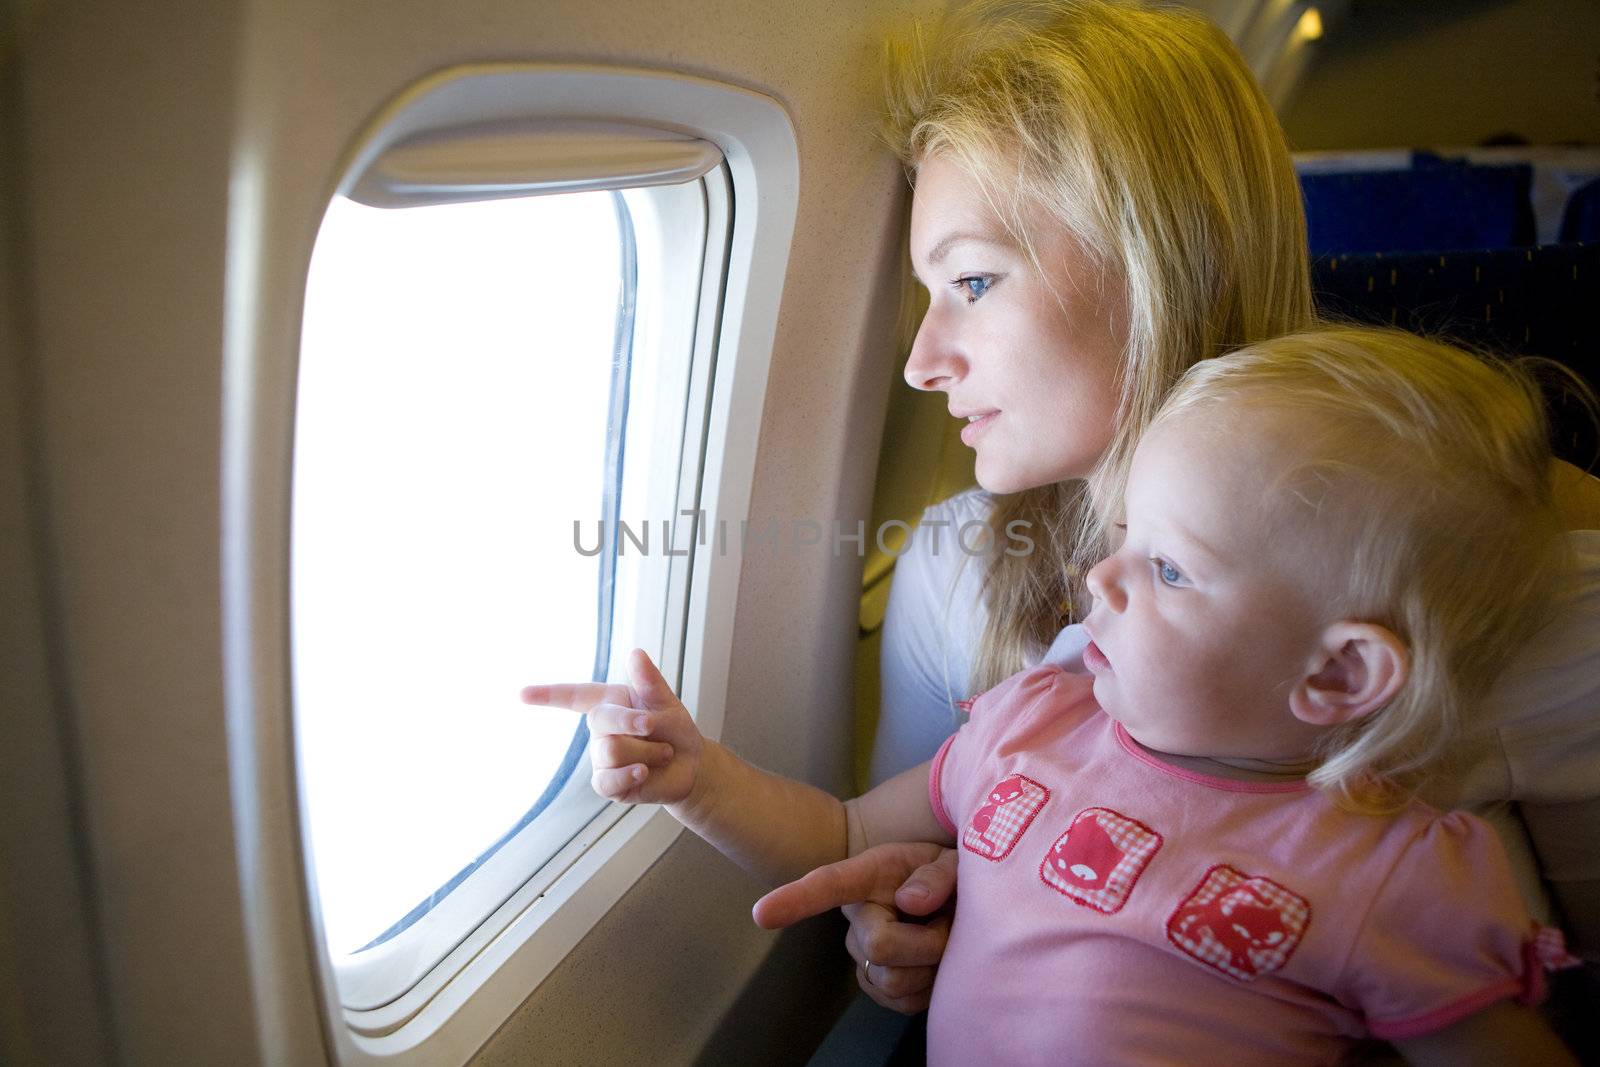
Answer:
(578, 697)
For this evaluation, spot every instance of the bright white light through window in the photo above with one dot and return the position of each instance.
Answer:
(451, 423)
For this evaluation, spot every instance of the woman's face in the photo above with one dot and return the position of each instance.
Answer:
(1028, 358)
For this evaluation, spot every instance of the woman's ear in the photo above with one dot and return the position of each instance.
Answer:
(1357, 669)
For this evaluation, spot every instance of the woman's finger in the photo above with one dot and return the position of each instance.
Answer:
(906, 1005)
(823, 889)
(899, 983)
(858, 923)
(929, 886)
(877, 935)
(870, 875)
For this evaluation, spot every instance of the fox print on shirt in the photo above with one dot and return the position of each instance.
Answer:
(1100, 857)
(1010, 807)
(1240, 925)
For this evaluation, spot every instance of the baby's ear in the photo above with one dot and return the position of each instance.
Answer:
(1357, 669)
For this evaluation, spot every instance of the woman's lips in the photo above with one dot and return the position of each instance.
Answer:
(974, 429)
(1094, 659)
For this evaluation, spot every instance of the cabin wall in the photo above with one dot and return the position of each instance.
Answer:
(1426, 72)
(50, 998)
(123, 128)
(142, 130)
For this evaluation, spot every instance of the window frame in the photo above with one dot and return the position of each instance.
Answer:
(383, 986)
(489, 974)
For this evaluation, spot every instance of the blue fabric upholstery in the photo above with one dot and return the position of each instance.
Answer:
(1435, 206)
(1523, 301)
(1581, 221)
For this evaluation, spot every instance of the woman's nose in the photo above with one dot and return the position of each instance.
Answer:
(1105, 584)
(933, 363)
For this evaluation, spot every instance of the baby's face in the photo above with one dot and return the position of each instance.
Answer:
(1210, 611)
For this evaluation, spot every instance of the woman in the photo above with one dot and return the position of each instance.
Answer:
(1103, 196)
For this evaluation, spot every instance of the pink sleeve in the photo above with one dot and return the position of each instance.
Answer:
(1447, 936)
(990, 715)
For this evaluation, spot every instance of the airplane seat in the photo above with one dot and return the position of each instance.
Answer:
(922, 461)
(1510, 301)
(1503, 287)
(1434, 204)
(1581, 219)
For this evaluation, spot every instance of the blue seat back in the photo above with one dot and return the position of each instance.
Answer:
(1581, 221)
(1541, 301)
(1435, 206)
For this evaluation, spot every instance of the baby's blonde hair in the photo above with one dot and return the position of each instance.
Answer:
(1423, 474)
(1141, 132)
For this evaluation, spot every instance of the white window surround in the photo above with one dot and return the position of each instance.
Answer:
(384, 985)
(545, 919)
(490, 160)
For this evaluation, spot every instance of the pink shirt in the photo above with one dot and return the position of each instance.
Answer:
(1114, 908)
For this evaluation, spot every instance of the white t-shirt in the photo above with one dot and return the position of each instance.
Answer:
(1539, 742)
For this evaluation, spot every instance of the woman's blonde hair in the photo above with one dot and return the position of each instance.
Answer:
(1141, 131)
(1420, 475)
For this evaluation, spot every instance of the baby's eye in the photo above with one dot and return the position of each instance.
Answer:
(1169, 574)
(974, 286)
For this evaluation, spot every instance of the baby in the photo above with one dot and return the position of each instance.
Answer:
(1203, 850)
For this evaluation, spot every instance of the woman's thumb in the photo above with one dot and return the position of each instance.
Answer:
(929, 886)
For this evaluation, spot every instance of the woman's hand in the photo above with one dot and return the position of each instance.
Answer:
(644, 746)
(895, 959)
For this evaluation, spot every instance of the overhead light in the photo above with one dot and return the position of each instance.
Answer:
(1309, 28)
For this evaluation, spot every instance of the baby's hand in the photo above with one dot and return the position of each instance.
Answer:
(645, 748)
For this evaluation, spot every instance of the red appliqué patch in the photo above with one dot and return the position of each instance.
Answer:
(1097, 861)
(1240, 925)
(1011, 806)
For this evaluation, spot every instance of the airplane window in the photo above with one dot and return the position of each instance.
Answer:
(486, 388)
(535, 338)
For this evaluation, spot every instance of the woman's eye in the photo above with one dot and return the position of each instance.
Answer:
(973, 286)
(1167, 572)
